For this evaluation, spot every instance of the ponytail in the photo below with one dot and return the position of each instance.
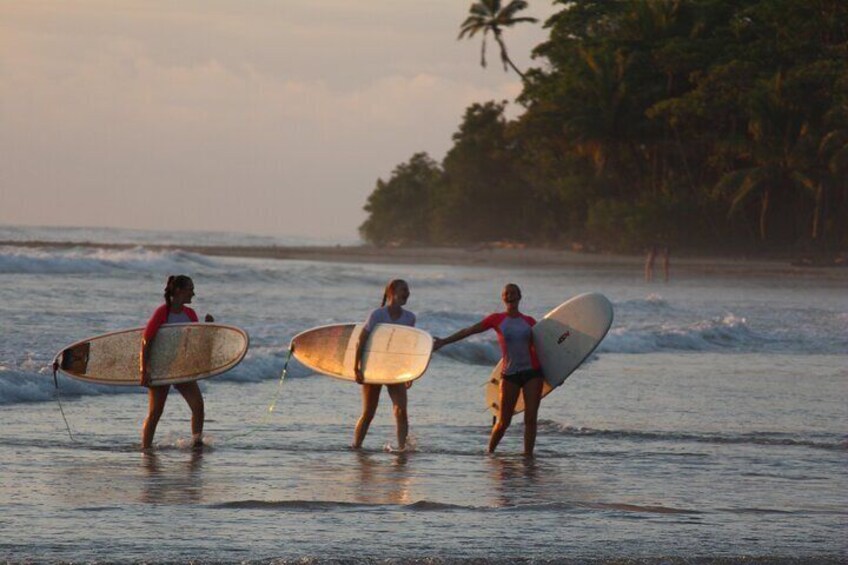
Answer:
(169, 290)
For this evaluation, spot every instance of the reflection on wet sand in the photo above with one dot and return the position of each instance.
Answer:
(518, 480)
(382, 480)
(512, 478)
(172, 482)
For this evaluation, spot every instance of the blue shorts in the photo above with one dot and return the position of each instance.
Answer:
(521, 378)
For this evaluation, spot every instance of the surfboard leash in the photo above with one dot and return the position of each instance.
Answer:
(59, 399)
(273, 405)
(285, 371)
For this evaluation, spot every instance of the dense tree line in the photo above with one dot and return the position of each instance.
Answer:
(706, 124)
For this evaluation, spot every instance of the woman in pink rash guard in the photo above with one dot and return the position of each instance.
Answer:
(179, 291)
(521, 370)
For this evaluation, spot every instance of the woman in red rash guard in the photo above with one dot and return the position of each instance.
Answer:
(179, 291)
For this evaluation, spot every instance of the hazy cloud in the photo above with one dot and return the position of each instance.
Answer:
(263, 117)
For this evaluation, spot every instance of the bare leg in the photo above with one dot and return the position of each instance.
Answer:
(508, 398)
(649, 264)
(532, 398)
(370, 398)
(398, 395)
(193, 397)
(156, 397)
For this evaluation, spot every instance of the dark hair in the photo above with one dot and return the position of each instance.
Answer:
(391, 288)
(173, 283)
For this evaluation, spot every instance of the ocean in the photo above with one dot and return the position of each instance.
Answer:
(710, 425)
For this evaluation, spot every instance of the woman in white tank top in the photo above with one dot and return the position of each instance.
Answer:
(390, 312)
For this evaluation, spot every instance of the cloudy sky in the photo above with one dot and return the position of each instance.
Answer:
(271, 117)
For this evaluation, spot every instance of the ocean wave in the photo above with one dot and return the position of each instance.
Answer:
(306, 505)
(312, 505)
(35, 384)
(728, 332)
(725, 333)
(83, 260)
(473, 352)
(124, 236)
(265, 363)
(446, 322)
(25, 386)
(435, 506)
(652, 304)
(480, 349)
(826, 441)
(366, 279)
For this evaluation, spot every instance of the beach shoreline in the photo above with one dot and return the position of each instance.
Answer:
(514, 258)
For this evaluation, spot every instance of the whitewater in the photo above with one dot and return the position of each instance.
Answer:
(711, 423)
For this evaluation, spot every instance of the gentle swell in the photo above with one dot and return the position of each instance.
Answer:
(755, 438)
(433, 506)
(311, 505)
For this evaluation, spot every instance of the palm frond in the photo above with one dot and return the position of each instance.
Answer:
(746, 190)
(833, 141)
(488, 15)
(803, 181)
(513, 7)
(470, 28)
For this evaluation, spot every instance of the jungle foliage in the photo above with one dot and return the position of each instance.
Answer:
(709, 124)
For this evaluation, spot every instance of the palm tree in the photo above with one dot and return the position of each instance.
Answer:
(833, 151)
(778, 154)
(488, 15)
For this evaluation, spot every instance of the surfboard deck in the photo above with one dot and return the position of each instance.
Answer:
(180, 353)
(564, 338)
(394, 354)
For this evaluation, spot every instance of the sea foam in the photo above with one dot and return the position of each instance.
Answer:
(83, 260)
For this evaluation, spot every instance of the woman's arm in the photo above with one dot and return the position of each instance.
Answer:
(357, 364)
(151, 329)
(477, 328)
(144, 376)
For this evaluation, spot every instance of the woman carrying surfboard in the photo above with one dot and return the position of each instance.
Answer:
(521, 370)
(390, 312)
(179, 290)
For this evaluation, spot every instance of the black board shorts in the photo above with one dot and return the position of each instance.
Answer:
(521, 378)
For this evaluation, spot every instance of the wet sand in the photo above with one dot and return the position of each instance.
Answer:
(485, 257)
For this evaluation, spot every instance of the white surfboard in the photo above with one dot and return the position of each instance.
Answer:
(564, 338)
(393, 354)
(179, 353)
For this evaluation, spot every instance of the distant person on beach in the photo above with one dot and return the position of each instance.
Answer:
(521, 370)
(391, 311)
(649, 263)
(179, 290)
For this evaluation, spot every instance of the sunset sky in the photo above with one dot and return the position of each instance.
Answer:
(271, 117)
